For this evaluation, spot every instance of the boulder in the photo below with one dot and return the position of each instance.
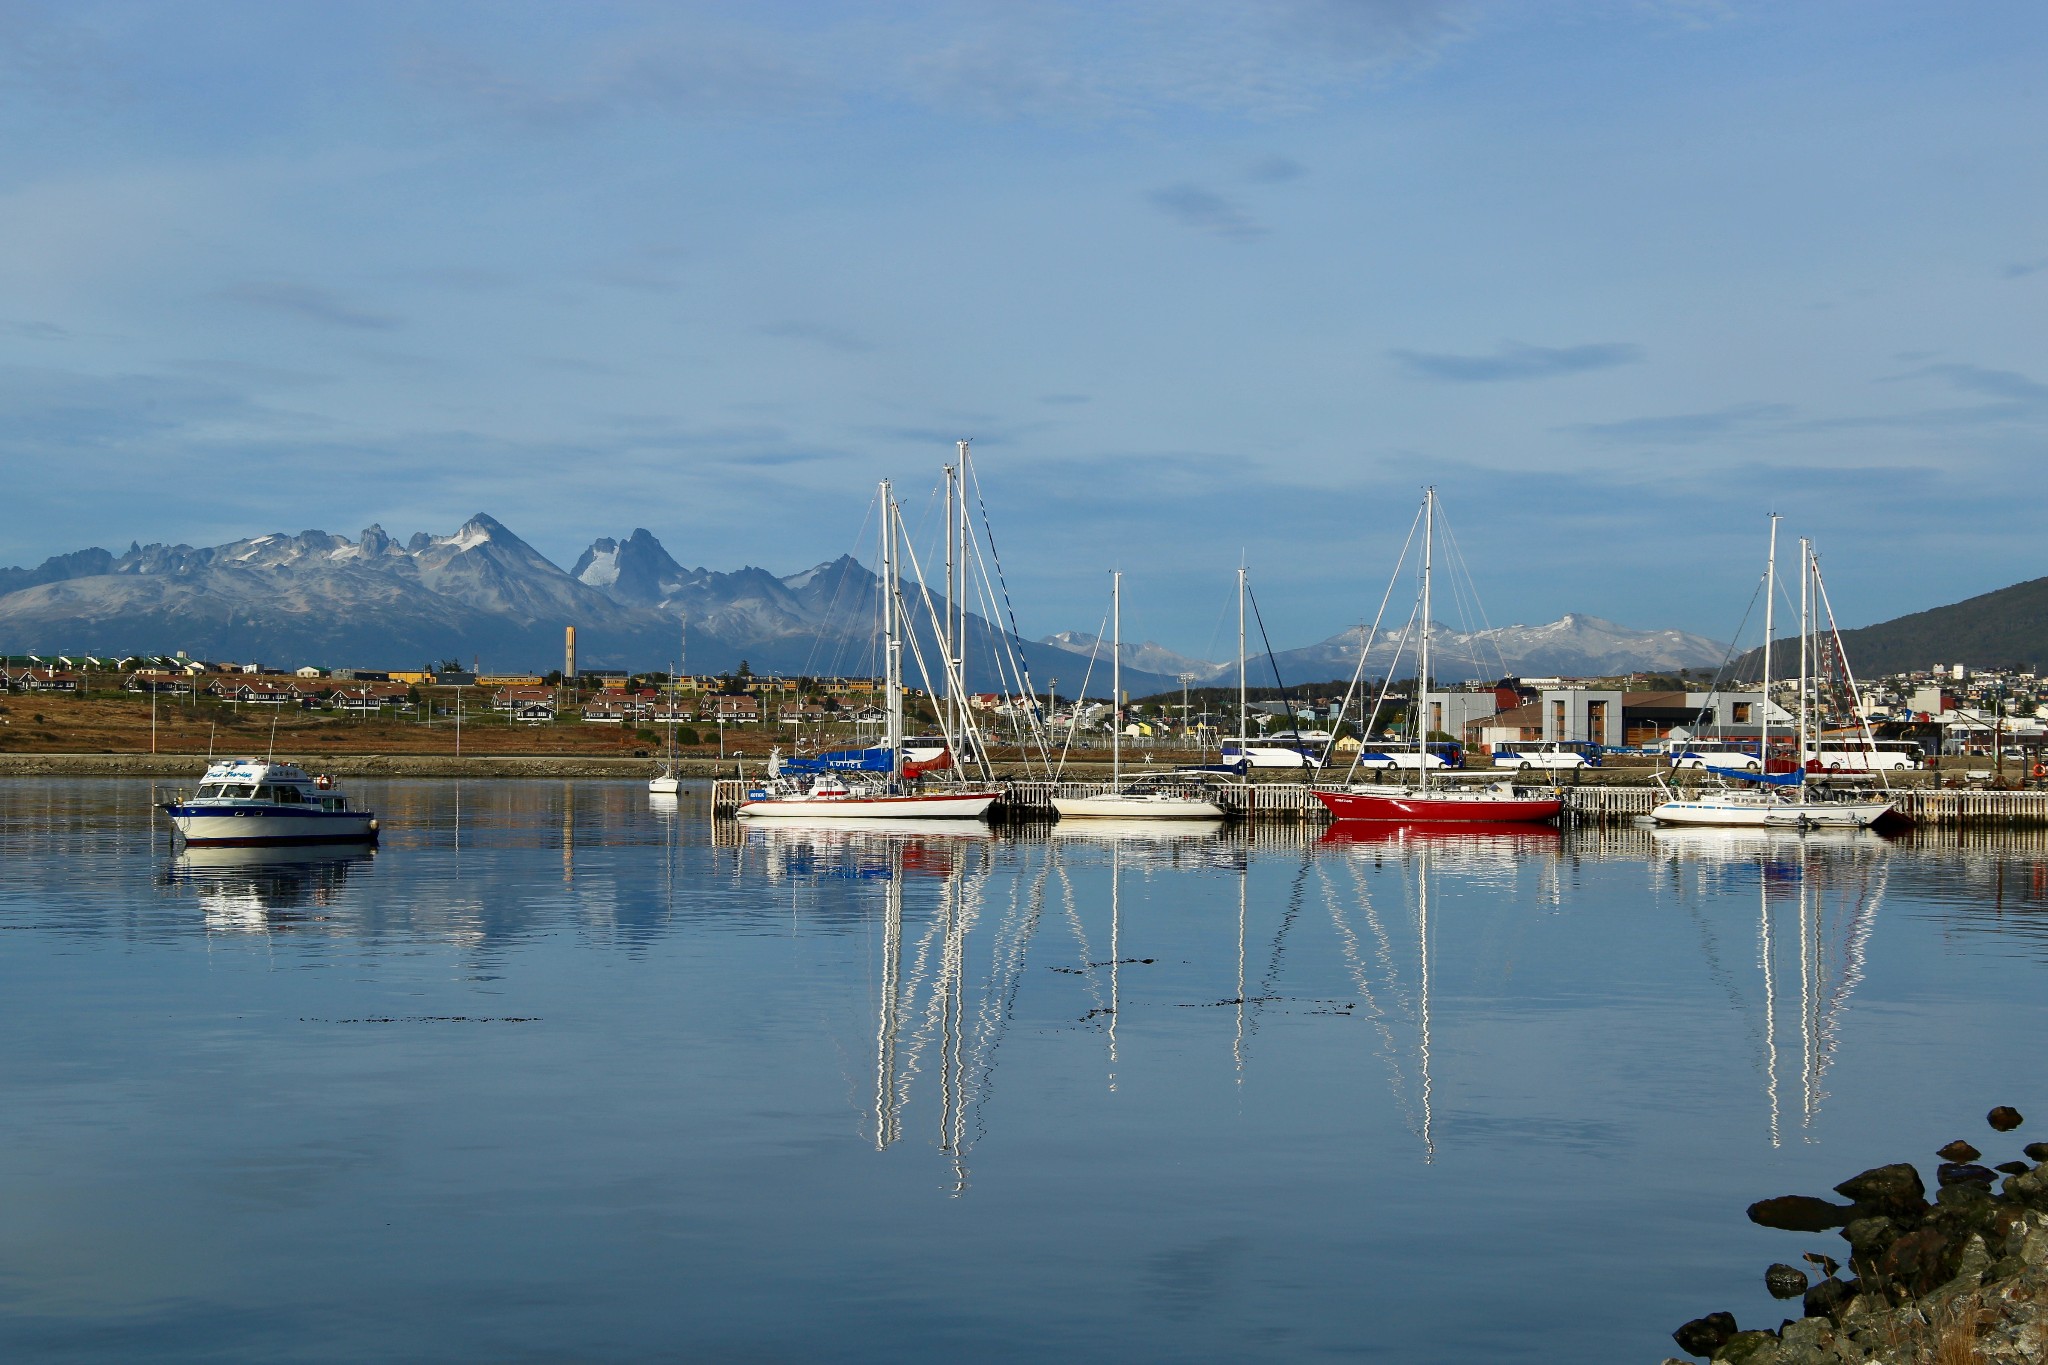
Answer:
(1894, 1189)
(1920, 1260)
(2004, 1118)
(1959, 1150)
(1704, 1336)
(1825, 1299)
(1964, 1173)
(1748, 1346)
(2014, 1167)
(1785, 1281)
(2035, 1151)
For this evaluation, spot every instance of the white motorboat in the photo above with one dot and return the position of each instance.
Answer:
(249, 801)
(1151, 798)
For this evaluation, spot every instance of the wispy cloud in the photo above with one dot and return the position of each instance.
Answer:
(1686, 427)
(1206, 211)
(2009, 385)
(1065, 400)
(35, 331)
(1274, 170)
(1513, 360)
(818, 334)
(308, 302)
(2019, 270)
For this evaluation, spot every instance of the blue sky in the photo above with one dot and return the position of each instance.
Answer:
(1200, 279)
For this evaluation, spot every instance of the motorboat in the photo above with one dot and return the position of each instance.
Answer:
(250, 801)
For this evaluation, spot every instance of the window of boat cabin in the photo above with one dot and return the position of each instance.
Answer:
(288, 795)
(266, 792)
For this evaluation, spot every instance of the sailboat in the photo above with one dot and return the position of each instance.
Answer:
(668, 782)
(1499, 803)
(890, 790)
(1768, 799)
(1155, 798)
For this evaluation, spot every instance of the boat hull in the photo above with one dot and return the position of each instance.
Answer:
(665, 786)
(1114, 806)
(250, 828)
(971, 805)
(1441, 807)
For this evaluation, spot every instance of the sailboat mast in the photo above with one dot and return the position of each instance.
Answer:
(957, 595)
(1770, 628)
(952, 720)
(1243, 691)
(1805, 646)
(1116, 679)
(1422, 654)
(892, 647)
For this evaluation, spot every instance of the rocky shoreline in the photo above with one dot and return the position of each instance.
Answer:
(1959, 1279)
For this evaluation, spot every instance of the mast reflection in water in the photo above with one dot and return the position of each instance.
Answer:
(561, 1071)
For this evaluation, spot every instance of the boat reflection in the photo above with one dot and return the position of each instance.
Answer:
(260, 889)
(1818, 894)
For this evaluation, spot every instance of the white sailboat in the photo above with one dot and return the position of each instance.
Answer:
(1164, 797)
(860, 795)
(669, 782)
(1767, 799)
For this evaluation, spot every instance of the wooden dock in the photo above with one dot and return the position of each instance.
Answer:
(1030, 800)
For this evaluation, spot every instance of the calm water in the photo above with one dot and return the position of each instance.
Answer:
(554, 1075)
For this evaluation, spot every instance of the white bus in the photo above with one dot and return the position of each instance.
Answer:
(1549, 755)
(1710, 753)
(1859, 755)
(1402, 753)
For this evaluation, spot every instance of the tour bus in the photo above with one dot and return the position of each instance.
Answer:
(1285, 749)
(1858, 755)
(1716, 753)
(1402, 753)
(1548, 754)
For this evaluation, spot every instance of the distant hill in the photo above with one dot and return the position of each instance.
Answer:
(1996, 630)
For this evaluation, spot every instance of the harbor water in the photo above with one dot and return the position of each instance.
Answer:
(557, 1072)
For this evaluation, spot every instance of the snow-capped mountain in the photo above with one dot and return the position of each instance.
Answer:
(1575, 645)
(1147, 657)
(480, 593)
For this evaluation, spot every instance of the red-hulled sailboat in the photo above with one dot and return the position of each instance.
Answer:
(1499, 803)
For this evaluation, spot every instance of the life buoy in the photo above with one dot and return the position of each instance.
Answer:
(2040, 771)
(323, 782)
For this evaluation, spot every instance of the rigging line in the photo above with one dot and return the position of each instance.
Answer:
(1018, 672)
(1462, 572)
(1081, 696)
(1366, 643)
(1725, 674)
(988, 529)
(1855, 696)
(967, 727)
(1386, 688)
(1286, 699)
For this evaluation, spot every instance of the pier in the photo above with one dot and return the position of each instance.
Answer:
(1606, 803)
